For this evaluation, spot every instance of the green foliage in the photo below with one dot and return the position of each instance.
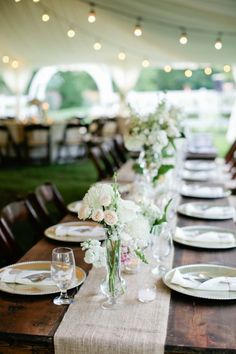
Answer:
(70, 86)
(162, 171)
(153, 79)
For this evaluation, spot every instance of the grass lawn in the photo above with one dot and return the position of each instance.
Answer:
(72, 180)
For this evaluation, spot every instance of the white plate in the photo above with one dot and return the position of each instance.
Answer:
(74, 207)
(211, 270)
(198, 210)
(200, 176)
(199, 165)
(33, 289)
(204, 192)
(51, 232)
(193, 230)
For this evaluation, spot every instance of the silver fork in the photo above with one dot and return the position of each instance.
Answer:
(38, 277)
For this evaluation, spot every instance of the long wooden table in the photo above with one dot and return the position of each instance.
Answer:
(195, 325)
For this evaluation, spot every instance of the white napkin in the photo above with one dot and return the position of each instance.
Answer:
(211, 211)
(210, 236)
(203, 191)
(18, 276)
(216, 283)
(78, 231)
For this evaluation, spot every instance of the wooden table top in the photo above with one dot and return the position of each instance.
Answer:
(195, 325)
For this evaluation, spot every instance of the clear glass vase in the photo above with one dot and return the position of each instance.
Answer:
(113, 285)
(149, 165)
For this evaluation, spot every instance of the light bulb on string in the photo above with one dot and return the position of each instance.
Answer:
(5, 59)
(92, 14)
(208, 70)
(218, 42)
(121, 55)
(167, 68)
(36, 0)
(227, 68)
(183, 37)
(71, 33)
(97, 45)
(45, 17)
(138, 30)
(17, 0)
(188, 73)
(145, 63)
(15, 64)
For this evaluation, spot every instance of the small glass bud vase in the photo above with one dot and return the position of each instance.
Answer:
(130, 262)
(114, 284)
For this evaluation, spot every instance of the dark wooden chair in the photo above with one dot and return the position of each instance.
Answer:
(10, 251)
(37, 143)
(103, 166)
(108, 149)
(51, 202)
(230, 153)
(23, 223)
(72, 145)
(8, 149)
(120, 148)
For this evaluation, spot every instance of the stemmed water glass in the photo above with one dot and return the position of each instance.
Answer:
(161, 247)
(62, 273)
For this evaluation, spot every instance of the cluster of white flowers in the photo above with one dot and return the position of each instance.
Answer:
(155, 130)
(120, 218)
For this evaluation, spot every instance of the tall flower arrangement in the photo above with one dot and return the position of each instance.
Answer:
(123, 222)
(152, 135)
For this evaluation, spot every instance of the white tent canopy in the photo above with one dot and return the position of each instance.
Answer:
(25, 37)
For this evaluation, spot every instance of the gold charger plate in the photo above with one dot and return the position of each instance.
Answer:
(51, 232)
(209, 269)
(34, 289)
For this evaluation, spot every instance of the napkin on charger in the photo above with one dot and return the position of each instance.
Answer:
(209, 236)
(206, 191)
(18, 276)
(220, 283)
(83, 230)
(211, 211)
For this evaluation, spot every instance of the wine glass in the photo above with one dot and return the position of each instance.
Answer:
(161, 247)
(62, 273)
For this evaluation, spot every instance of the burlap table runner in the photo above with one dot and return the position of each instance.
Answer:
(133, 328)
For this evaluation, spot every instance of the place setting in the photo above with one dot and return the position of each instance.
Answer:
(199, 165)
(195, 190)
(213, 282)
(35, 278)
(206, 211)
(77, 231)
(204, 236)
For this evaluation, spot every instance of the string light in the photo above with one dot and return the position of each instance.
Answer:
(17, 0)
(227, 68)
(36, 0)
(97, 46)
(5, 59)
(121, 56)
(71, 33)
(138, 30)
(92, 14)
(183, 38)
(145, 63)
(188, 73)
(218, 42)
(45, 17)
(167, 68)
(15, 64)
(208, 70)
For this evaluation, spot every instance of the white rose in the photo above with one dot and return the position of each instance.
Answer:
(84, 212)
(172, 131)
(134, 143)
(110, 217)
(90, 256)
(105, 200)
(98, 215)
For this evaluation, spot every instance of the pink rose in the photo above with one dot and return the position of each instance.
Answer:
(105, 200)
(97, 215)
(110, 217)
(84, 212)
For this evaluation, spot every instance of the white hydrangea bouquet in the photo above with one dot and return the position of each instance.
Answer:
(124, 224)
(152, 135)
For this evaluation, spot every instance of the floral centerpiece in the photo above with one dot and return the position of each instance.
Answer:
(124, 224)
(152, 135)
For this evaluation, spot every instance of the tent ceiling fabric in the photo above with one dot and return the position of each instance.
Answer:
(25, 37)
